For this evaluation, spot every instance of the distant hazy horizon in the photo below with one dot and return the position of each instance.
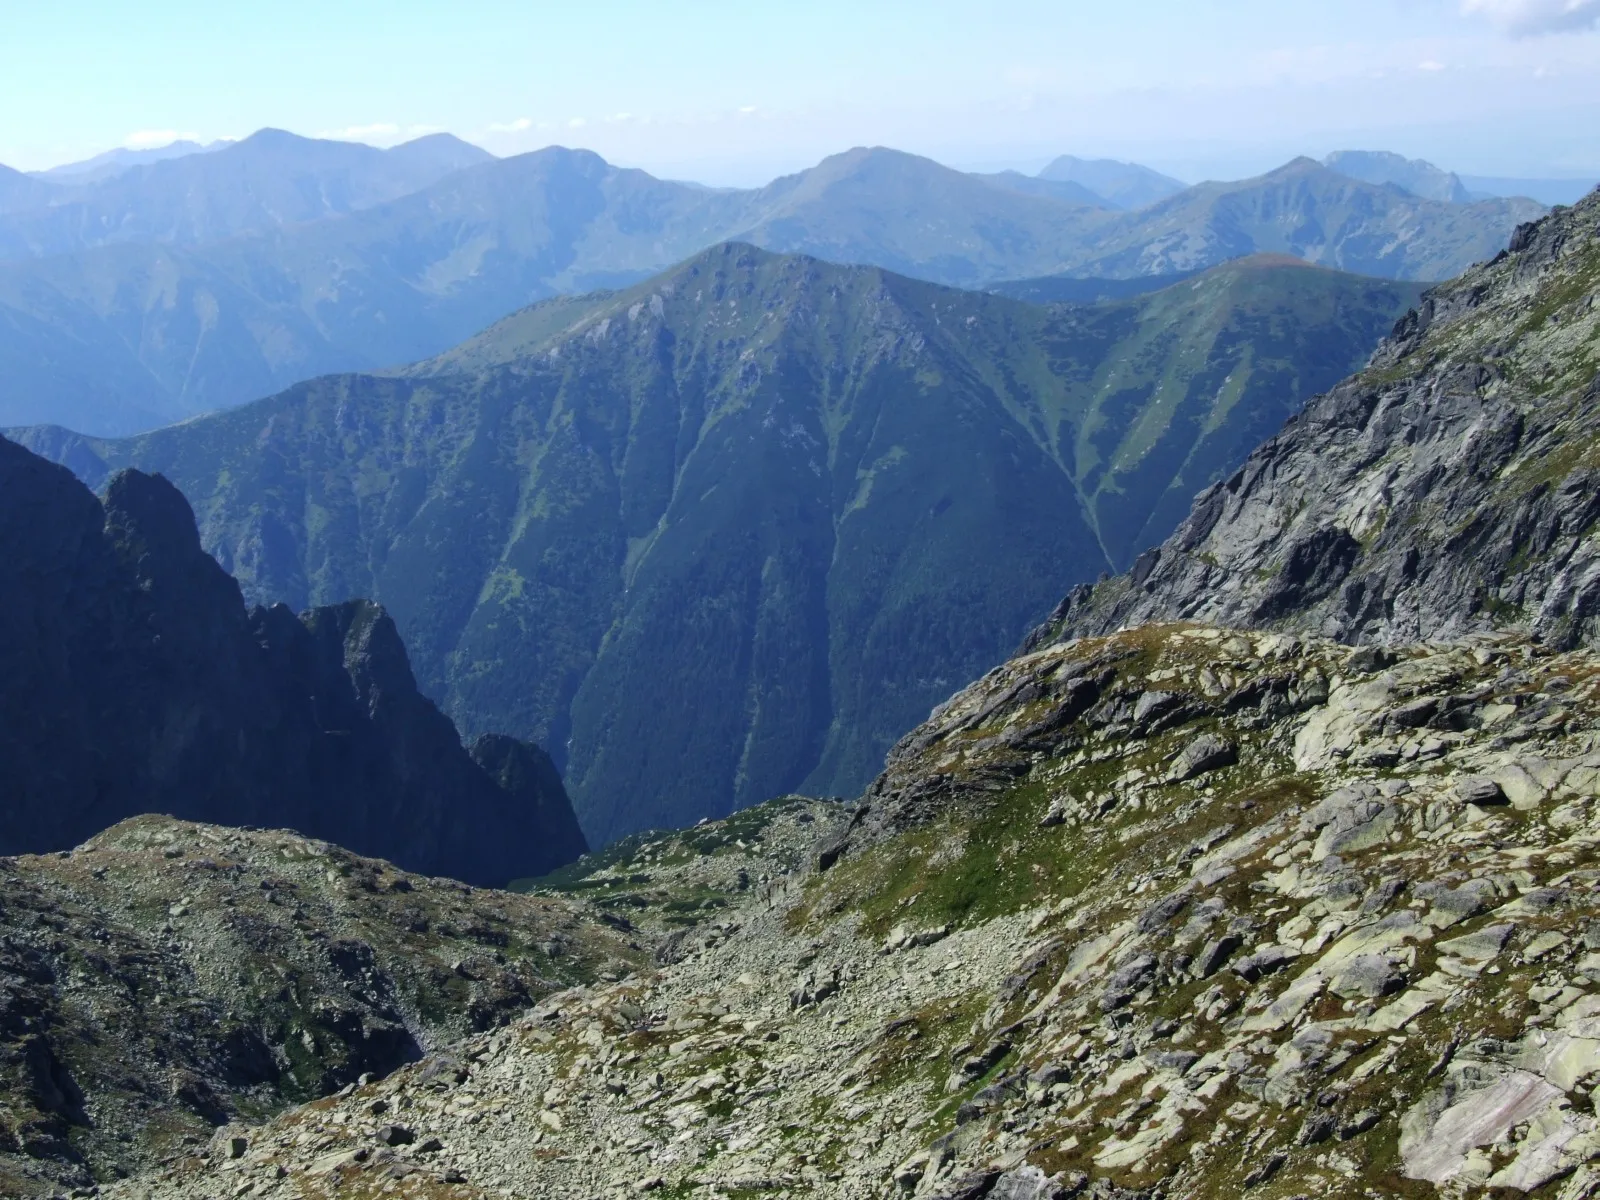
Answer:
(725, 94)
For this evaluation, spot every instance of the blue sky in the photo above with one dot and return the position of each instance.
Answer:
(734, 93)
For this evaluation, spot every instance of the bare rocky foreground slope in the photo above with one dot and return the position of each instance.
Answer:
(1177, 912)
(167, 976)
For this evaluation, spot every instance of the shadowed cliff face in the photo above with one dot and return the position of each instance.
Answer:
(133, 679)
(1449, 487)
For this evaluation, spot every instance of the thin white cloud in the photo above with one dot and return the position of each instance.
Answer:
(154, 139)
(520, 125)
(577, 123)
(1430, 65)
(1526, 18)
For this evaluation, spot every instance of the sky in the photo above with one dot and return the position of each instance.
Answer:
(737, 93)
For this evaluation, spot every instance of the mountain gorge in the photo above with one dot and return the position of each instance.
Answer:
(123, 337)
(134, 680)
(1267, 867)
(811, 499)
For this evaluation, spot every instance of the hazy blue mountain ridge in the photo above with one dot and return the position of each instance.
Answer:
(119, 338)
(1311, 212)
(1120, 184)
(269, 179)
(1545, 191)
(120, 159)
(1415, 175)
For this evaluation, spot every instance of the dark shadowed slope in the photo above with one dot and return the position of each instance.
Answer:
(132, 679)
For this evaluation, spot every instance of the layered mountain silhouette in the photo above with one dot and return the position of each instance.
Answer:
(122, 158)
(730, 532)
(1415, 175)
(269, 179)
(1120, 184)
(134, 680)
(19, 191)
(131, 335)
(1307, 210)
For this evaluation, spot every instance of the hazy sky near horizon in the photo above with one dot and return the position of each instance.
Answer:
(735, 93)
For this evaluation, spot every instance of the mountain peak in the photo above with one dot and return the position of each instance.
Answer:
(1299, 165)
(1266, 261)
(1414, 175)
(165, 694)
(271, 136)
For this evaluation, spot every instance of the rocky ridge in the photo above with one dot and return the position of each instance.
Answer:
(1179, 912)
(133, 679)
(1449, 487)
(165, 977)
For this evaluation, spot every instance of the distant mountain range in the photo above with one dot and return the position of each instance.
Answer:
(19, 192)
(268, 180)
(730, 532)
(120, 159)
(158, 326)
(1422, 178)
(1415, 175)
(1545, 191)
(1120, 184)
(1314, 213)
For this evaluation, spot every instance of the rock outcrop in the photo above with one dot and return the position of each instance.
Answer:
(134, 680)
(1450, 487)
(165, 978)
(1070, 946)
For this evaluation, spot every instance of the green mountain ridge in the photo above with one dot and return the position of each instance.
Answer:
(121, 338)
(810, 499)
